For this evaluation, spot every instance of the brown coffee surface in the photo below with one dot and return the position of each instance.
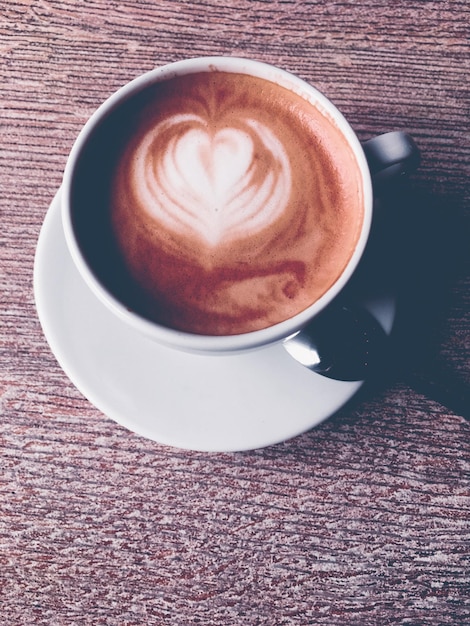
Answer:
(235, 203)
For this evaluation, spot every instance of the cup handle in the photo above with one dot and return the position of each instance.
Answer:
(391, 156)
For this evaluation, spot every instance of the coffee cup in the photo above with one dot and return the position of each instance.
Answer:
(219, 204)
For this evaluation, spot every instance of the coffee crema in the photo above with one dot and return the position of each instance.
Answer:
(235, 203)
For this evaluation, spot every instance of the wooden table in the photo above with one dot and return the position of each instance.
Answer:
(363, 520)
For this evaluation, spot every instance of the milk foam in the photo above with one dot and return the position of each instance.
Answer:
(218, 184)
(235, 204)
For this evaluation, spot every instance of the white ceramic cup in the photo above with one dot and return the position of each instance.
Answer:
(188, 341)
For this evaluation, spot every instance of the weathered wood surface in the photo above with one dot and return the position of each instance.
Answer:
(364, 520)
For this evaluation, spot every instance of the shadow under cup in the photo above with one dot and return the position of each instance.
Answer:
(87, 223)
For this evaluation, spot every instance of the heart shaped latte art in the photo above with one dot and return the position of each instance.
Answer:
(216, 185)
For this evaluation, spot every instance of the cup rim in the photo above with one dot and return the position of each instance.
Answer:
(193, 342)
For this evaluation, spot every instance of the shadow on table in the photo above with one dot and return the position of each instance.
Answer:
(420, 245)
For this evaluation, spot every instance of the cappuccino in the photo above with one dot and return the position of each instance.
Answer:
(233, 203)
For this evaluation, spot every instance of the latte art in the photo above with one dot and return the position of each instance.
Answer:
(198, 181)
(234, 203)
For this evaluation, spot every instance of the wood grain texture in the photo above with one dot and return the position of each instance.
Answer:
(364, 520)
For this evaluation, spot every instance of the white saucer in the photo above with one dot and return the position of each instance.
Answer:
(207, 403)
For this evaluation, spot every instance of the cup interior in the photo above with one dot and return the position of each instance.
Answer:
(86, 227)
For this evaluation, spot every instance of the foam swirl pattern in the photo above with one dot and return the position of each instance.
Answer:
(235, 203)
(209, 184)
